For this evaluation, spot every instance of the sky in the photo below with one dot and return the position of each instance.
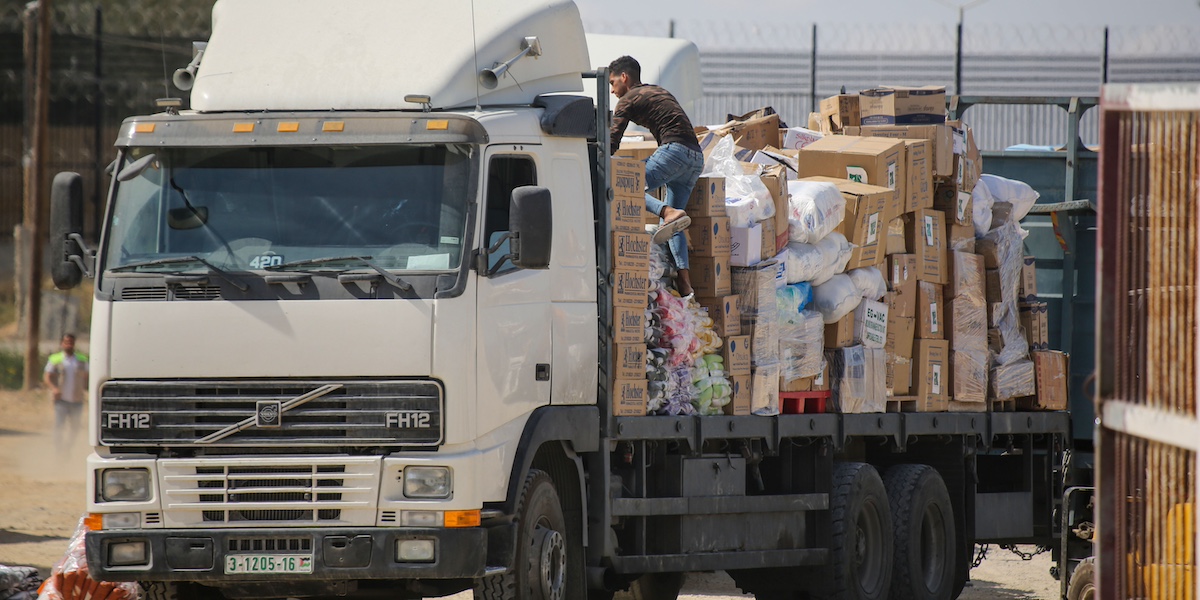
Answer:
(1053, 12)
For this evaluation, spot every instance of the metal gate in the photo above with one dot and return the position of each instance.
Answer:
(1148, 341)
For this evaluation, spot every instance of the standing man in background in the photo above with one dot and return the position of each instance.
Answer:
(676, 164)
(66, 375)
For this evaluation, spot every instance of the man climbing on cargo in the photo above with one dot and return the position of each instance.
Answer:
(676, 163)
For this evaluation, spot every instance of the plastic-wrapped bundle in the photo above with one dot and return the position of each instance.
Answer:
(836, 298)
(710, 342)
(1021, 195)
(1014, 380)
(875, 379)
(764, 392)
(801, 344)
(981, 211)
(713, 389)
(679, 329)
(1006, 244)
(658, 379)
(816, 263)
(869, 281)
(19, 583)
(847, 374)
(659, 262)
(815, 209)
(791, 299)
(969, 375)
(739, 185)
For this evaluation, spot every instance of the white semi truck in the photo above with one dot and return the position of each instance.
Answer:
(351, 337)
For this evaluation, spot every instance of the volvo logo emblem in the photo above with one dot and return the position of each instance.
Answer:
(266, 413)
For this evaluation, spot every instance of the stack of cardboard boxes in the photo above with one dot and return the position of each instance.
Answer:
(966, 324)
(630, 248)
(1050, 366)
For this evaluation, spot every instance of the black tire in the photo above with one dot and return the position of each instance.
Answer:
(548, 564)
(657, 586)
(926, 549)
(861, 548)
(1083, 581)
(168, 590)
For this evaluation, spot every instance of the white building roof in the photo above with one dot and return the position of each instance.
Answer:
(370, 54)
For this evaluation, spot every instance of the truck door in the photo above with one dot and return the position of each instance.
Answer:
(514, 321)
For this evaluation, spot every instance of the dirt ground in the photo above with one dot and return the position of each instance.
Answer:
(42, 494)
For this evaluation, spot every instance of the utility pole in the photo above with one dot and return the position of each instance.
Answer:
(35, 174)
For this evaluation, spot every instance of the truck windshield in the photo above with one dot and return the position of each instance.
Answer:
(247, 209)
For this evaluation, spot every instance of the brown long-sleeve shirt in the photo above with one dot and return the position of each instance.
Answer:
(655, 109)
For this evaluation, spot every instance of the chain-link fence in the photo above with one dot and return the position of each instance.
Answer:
(113, 58)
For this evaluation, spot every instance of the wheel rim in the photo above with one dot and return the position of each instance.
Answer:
(933, 547)
(552, 562)
(868, 549)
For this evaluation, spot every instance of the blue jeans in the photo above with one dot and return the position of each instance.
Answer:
(677, 167)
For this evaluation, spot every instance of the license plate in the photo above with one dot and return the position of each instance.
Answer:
(246, 564)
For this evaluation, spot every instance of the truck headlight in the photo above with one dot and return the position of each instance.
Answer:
(125, 485)
(128, 554)
(427, 482)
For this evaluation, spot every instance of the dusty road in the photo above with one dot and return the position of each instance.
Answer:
(42, 497)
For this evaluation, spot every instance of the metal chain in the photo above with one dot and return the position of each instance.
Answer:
(981, 551)
(1025, 555)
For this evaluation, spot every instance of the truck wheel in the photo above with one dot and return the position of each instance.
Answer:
(861, 551)
(657, 586)
(547, 554)
(1083, 581)
(168, 590)
(923, 521)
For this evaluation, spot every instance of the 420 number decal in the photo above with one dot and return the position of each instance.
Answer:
(263, 261)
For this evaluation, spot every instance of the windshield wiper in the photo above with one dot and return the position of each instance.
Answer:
(391, 278)
(183, 259)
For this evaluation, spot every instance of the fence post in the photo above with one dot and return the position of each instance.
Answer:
(958, 58)
(812, 78)
(1104, 75)
(98, 130)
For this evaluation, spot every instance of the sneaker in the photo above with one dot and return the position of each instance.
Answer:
(668, 230)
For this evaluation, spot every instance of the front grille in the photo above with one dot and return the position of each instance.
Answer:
(144, 293)
(270, 544)
(275, 491)
(208, 414)
(197, 292)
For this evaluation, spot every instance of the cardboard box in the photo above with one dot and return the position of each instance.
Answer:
(740, 405)
(736, 352)
(966, 325)
(895, 236)
(930, 312)
(841, 333)
(925, 237)
(839, 112)
(930, 368)
(629, 397)
(629, 361)
(919, 190)
(710, 275)
(993, 293)
(768, 241)
(966, 278)
(755, 287)
(968, 375)
(804, 384)
(723, 311)
(995, 341)
(754, 133)
(775, 179)
(764, 389)
(631, 251)
(957, 205)
(866, 216)
(899, 375)
(870, 324)
(628, 178)
(764, 338)
(708, 198)
(1051, 368)
(1028, 289)
(639, 151)
(962, 238)
(902, 280)
(970, 163)
(895, 105)
(745, 248)
(709, 236)
(629, 325)
(941, 136)
(628, 214)
(873, 161)
(1014, 380)
(795, 138)
(1034, 318)
(631, 288)
(901, 332)
(820, 383)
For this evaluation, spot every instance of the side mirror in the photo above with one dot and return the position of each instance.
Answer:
(67, 265)
(531, 223)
